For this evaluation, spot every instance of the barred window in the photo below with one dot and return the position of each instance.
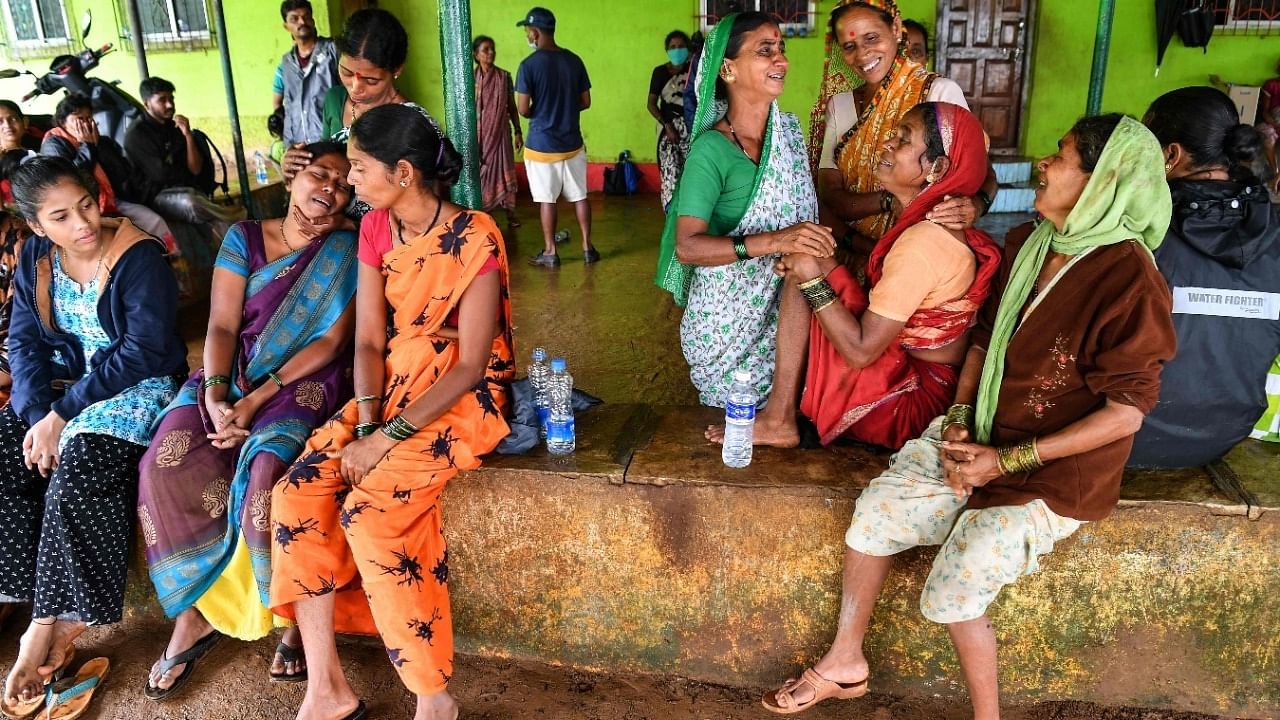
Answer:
(1247, 17)
(170, 24)
(796, 17)
(35, 27)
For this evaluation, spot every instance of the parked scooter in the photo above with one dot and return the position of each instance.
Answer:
(115, 110)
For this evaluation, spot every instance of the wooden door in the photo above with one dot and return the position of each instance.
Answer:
(983, 45)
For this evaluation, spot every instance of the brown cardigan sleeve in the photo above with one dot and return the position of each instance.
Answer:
(1135, 338)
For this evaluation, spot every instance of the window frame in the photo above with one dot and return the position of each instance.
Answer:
(788, 29)
(174, 39)
(44, 46)
(1231, 24)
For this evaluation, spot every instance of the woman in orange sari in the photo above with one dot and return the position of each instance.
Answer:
(359, 546)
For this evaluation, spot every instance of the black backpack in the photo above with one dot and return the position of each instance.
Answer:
(207, 181)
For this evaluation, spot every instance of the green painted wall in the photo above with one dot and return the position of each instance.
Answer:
(257, 43)
(1064, 49)
(619, 55)
(622, 44)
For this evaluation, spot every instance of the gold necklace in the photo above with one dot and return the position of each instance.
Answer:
(96, 270)
(284, 233)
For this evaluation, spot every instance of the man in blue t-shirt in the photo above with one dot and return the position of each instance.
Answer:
(552, 90)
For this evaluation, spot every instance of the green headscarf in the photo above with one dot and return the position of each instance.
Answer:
(1126, 198)
(674, 276)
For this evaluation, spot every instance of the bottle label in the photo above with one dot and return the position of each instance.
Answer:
(740, 412)
(560, 431)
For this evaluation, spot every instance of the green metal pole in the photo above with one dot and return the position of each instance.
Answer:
(460, 97)
(1101, 49)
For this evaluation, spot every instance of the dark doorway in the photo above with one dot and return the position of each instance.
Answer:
(983, 45)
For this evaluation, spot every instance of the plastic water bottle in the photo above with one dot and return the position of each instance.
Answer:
(260, 167)
(539, 374)
(739, 421)
(562, 236)
(561, 435)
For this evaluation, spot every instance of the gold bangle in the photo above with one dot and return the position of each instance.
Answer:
(823, 306)
(959, 414)
(1020, 458)
(811, 283)
(368, 398)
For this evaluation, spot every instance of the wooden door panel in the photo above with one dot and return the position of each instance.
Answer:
(964, 73)
(983, 49)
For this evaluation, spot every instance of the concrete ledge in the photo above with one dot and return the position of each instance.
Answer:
(642, 552)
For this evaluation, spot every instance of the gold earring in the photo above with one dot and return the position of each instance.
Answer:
(404, 183)
(929, 178)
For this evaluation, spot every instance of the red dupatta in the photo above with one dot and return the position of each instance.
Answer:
(965, 144)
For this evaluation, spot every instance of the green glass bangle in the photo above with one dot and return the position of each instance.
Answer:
(215, 380)
(367, 429)
(740, 247)
(276, 379)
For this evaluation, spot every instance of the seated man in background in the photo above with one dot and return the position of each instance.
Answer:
(174, 173)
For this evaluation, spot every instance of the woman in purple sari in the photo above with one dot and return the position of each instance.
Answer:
(496, 118)
(276, 366)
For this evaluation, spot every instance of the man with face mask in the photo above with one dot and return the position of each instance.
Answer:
(552, 90)
(304, 75)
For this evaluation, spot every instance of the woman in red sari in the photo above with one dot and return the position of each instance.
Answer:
(883, 359)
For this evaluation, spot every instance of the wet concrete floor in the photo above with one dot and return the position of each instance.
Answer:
(619, 333)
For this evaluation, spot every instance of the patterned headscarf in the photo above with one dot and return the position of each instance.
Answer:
(856, 153)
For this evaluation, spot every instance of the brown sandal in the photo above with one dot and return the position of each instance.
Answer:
(783, 702)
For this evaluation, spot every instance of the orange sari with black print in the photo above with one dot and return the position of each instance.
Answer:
(379, 546)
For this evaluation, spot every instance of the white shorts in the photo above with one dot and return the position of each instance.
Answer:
(549, 180)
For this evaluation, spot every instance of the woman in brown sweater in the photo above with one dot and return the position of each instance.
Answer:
(1060, 374)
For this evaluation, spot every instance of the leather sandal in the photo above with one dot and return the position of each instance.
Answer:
(289, 654)
(783, 701)
(188, 658)
(69, 699)
(23, 710)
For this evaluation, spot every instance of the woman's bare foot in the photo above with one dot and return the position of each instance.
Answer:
(767, 431)
(61, 645)
(189, 628)
(333, 704)
(25, 681)
(288, 669)
(439, 706)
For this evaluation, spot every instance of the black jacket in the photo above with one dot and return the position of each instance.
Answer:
(105, 153)
(138, 308)
(1225, 237)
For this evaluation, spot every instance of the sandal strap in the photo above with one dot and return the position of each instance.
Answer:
(289, 653)
(53, 699)
(191, 654)
(785, 695)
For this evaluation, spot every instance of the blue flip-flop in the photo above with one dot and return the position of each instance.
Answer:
(68, 699)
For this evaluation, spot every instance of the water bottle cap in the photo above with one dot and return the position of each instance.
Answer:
(539, 354)
(742, 376)
(557, 365)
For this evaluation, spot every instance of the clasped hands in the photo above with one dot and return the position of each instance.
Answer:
(966, 465)
(231, 422)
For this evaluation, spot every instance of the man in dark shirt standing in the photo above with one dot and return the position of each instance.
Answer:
(552, 90)
(172, 177)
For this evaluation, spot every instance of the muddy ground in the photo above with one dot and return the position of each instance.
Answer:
(231, 684)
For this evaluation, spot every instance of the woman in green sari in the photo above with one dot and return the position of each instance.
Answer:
(745, 197)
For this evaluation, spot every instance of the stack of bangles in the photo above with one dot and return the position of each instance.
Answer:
(961, 415)
(366, 429)
(818, 293)
(215, 380)
(397, 428)
(1021, 458)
